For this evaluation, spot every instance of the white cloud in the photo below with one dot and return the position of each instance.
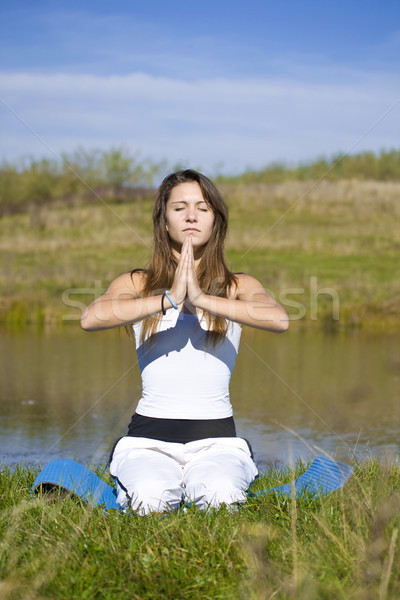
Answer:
(239, 122)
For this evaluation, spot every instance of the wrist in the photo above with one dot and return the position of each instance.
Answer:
(167, 301)
(200, 301)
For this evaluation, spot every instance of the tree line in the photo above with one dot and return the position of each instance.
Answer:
(120, 175)
(384, 166)
(115, 173)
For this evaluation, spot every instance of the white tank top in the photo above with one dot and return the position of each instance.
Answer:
(183, 376)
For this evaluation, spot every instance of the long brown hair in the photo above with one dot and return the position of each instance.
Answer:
(214, 276)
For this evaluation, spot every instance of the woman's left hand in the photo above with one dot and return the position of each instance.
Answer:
(193, 289)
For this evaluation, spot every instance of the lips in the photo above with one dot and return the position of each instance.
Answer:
(192, 229)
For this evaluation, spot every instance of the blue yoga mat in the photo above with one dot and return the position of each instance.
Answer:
(321, 478)
(74, 477)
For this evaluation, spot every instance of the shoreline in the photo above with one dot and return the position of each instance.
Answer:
(22, 316)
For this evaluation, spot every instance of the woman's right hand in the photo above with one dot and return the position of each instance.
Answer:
(178, 290)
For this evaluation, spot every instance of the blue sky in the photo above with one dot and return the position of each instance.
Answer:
(218, 85)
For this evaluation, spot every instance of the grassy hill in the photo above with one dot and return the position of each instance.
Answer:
(328, 250)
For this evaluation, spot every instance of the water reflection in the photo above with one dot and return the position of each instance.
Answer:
(71, 394)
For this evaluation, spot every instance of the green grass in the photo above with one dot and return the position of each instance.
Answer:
(345, 545)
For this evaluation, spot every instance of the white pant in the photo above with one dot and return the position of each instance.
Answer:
(156, 476)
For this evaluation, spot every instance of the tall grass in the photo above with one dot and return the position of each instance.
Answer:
(345, 545)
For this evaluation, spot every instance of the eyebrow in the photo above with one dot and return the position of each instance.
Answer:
(186, 202)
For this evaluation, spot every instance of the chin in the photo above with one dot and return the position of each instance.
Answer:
(197, 242)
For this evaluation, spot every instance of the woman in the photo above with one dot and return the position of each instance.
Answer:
(186, 311)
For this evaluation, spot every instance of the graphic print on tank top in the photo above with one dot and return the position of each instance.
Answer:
(183, 375)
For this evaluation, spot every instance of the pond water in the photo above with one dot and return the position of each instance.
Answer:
(71, 394)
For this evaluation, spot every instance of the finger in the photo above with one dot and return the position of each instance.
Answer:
(189, 245)
(182, 253)
(190, 249)
(192, 268)
(187, 259)
(183, 250)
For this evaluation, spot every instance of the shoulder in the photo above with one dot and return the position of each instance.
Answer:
(248, 288)
(246, 280)
(131, 283)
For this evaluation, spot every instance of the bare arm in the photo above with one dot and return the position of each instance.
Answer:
(120, 305)
(251, 306)
(123, 304)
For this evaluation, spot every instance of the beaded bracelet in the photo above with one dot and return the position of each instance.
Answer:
(174, 304)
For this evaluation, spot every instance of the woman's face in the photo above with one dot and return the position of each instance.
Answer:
(187, 214)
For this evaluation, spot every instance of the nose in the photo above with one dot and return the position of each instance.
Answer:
(191, 216)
